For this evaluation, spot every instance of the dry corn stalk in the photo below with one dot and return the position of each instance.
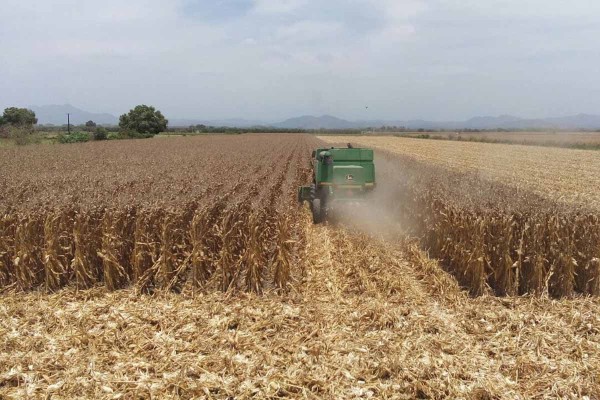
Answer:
(87, 241)
(28, 263)
(8, 226)
(282, 254)
(203, 230)
(58, 251)
(117, 246)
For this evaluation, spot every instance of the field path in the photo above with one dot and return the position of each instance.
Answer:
(393, 314)
(416, 322)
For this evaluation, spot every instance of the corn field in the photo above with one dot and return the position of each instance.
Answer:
(219, 213)
(201, 216)
(249, 299)
(496, 233)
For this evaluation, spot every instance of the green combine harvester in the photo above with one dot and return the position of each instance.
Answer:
(340, 176)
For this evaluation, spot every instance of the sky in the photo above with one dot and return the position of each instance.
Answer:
(270, 60)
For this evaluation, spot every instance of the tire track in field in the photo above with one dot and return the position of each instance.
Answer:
(370, 288)
(435, 338)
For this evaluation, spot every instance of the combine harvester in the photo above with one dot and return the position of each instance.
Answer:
(340, 176)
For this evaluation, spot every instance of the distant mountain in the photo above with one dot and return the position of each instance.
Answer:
(233, 122)
(583, 121)
(311, 122)
(580, 121)
(490, 122)
(57, 115)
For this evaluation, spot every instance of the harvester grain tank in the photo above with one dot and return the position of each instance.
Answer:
(341, 175)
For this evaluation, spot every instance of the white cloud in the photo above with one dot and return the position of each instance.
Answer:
(250, 41)
(273, 59)
(308, 31)
(402, 9)
(538, 9)
(277, 6)
(392, 35)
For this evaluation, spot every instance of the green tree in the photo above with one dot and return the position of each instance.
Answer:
(19, 116)
(143, 119)
(90, 126)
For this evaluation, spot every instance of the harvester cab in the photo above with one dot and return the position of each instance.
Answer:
(341, 175)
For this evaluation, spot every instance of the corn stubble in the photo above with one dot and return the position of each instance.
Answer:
(240, 234)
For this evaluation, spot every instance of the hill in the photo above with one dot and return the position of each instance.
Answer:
(579, 121)
(312, 122)
(57, 115)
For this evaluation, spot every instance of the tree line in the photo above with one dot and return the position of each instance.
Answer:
(140, 122)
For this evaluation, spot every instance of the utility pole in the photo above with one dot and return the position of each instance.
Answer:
(69, 123)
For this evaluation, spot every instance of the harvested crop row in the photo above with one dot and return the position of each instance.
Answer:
(492, 236)
(239, 233)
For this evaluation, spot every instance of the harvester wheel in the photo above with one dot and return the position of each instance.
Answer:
(317, 212)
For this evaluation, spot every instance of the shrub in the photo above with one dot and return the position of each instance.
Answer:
(114, 136)
(4, 132)
(100, 133)
(21, 134)
(74, 137)
(131, 134)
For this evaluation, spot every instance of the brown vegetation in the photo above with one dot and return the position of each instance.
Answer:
(340, 314)
(498, 228)
(368, 320)
(582, 140)
(210, 212)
